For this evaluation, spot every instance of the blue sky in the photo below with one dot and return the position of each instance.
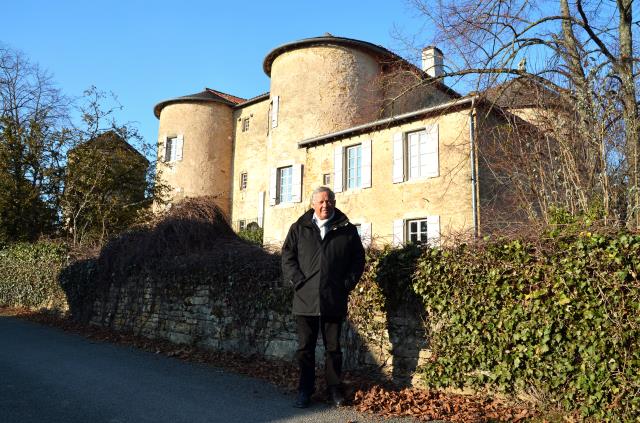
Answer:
(147, 51)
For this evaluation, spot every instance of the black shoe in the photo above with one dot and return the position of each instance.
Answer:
(336, 395)
(302, 400)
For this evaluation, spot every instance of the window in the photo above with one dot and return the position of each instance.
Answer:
(417, 231)
(419, 154)
(354, 166)
(243, 181)
(284, 184)
(326, 179)
(245, 124)
(173, 149)
(415, 154)
(170, 149)
(242, 224)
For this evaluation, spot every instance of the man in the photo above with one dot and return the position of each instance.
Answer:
(323, 259)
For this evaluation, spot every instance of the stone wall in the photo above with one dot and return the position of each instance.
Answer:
(196, 315)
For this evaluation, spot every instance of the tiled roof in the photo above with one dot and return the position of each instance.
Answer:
(208, 95)
(231, 98)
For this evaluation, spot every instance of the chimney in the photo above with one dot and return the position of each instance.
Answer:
(432, 61)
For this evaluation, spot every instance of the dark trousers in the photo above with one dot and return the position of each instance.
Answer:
(308, 327)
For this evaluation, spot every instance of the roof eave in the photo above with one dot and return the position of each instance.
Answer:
(157, 109)
(387, 122)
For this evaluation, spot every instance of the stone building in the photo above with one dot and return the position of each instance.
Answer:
(397, 146)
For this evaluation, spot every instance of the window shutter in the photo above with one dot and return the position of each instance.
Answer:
(273, 186)
(433, 230)
(260, 208)
(338, 163)
(433, 167)
(398, 232)
(275, 105)
(180, 141)
(366, 164)
(365, 229)
(162, 148)
(296, 183)
(398, 158)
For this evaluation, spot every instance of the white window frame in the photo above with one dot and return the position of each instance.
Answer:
(245, 124)
(420, 238)
(416, 154)
(287, 196)
(173, 148)
(402, 230)
(353, 163)
(326, 179)
(275, 184)
(341, 177)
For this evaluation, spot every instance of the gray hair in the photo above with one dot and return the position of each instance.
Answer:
(332, 195)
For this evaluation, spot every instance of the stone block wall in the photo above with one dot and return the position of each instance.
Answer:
(193, 315)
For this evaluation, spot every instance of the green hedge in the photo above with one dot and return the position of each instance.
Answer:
(559, 321)
(29, 275)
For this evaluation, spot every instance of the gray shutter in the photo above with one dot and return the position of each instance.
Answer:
(260, 208)
(338, 164)
(398, 232)
(365, 229)
(366, 164)
(275, 105)
(273, 186)
(433, 165)
(433, 230)
(398, 158)
(180, 144)
(296, 183)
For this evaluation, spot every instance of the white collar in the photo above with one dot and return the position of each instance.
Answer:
(321, 222)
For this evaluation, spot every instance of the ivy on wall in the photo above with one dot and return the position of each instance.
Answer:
(29, 275)
(559, 321)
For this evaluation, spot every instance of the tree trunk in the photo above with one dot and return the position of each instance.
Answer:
(625, 70)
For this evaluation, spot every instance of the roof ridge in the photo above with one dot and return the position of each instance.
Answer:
(232, 98)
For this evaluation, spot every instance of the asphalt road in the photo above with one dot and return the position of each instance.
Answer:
(47, 375)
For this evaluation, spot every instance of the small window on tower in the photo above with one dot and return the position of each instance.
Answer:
(245, 124)
(243, 181)
(326, 179)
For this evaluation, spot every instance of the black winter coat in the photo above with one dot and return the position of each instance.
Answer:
(322, 271)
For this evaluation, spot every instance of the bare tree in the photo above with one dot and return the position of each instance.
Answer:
(581, 54)
(109, 184)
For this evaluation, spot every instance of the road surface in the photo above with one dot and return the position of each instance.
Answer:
(48, 375)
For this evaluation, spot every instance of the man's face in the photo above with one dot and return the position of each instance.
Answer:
(322, 205)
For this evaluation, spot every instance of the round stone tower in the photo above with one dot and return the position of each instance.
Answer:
(195, 146)
(325, 84)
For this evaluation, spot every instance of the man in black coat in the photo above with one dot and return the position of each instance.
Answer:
(323, 259)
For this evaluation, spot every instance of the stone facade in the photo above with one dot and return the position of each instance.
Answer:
(328, 94)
